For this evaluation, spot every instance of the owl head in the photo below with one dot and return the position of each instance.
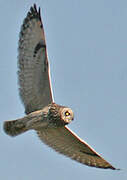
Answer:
(66, 114)
(59, 115)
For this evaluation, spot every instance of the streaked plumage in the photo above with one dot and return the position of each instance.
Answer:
(43, 115)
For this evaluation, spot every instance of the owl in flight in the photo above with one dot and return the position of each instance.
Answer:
(43, 115)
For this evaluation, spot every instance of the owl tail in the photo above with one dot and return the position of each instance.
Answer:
(15, 127)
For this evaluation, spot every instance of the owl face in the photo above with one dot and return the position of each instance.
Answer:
(58, 115)
(66, 115)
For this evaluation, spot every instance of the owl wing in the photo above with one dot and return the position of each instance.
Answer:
(66, 142)
(33, 74)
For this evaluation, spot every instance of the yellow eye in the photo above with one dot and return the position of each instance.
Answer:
(67, 113)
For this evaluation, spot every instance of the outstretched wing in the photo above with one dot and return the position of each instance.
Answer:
(33, 74)
(64, 141)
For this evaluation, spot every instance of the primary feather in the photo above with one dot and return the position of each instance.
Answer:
(35, 90)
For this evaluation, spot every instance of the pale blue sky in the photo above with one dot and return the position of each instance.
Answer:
(87, 48)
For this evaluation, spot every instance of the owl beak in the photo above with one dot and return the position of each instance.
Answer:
(70, 120)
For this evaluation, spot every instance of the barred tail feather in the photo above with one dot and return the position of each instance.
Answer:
(14, 127)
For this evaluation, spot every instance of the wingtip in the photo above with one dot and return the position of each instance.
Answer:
(113, 168)
(118, 169)
(35, 6)
(34, 11)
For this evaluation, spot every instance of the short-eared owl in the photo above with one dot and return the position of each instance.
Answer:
(47, 118)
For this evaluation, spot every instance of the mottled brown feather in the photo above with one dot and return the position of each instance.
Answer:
(66, 142)
(36, 93)
(33, 73)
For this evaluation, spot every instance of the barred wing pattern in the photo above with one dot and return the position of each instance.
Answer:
(34, 80)
(35, 92)
(64, 141)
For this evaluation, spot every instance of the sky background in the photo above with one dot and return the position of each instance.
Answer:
(87, 49)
